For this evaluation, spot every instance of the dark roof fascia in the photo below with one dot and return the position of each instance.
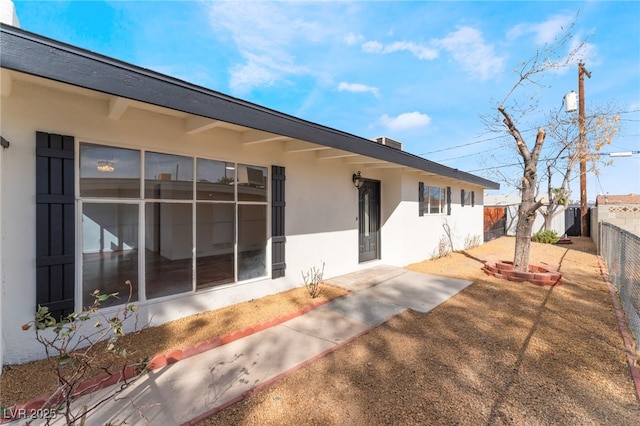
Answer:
(43, 57)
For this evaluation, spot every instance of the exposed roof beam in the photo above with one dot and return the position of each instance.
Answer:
(197, 124)
(253, 137)
(363, 160)
(331, 154)
(117, 107)
(56, 61)
(298, 146)
(383, 166)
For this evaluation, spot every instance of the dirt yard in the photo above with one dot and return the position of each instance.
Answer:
(19, 383)
(497, 353)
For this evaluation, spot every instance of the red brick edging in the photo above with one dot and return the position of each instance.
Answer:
(158, 361)
(624, 331)
(537, 275)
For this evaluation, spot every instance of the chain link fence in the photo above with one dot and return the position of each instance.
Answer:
(620, 250)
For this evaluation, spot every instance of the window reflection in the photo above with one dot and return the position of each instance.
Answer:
(434, 200)
(252, 241)
(109, 172)
(168, 176)
(215, 224)
(252, 183)
(230, 237)
(168, 249)
(109, 251)
(215, 180)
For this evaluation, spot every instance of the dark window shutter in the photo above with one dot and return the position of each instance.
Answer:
(473, 198)
(448, 201)
(462, 197)
(55, 223)
(420, 198)
(278, 238)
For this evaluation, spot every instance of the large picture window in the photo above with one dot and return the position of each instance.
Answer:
(188, 224)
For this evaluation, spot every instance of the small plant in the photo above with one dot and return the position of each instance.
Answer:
(443, 249)
(471, 241)
(312, 280)
(70, 348)
(546, 237)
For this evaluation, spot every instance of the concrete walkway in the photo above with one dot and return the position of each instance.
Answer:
(196, 387)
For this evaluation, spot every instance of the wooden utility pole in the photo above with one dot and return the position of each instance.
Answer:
(584, 224)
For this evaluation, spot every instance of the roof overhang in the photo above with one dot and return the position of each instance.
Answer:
(36, 55)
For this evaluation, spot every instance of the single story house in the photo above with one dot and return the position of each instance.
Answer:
(110, 172)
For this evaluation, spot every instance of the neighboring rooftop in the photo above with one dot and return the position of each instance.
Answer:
(618, 199)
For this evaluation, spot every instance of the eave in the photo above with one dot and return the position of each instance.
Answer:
(36, 55)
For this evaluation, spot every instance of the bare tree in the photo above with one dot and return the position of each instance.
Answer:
(530, 72)
(601, 126)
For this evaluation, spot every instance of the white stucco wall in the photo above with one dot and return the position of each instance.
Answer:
(321, 213)
(2, 285)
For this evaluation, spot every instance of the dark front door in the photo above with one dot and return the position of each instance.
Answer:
(369, 220)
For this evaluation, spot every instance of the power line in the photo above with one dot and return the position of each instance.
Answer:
(502, 136)
(461, 146)
(611, 154)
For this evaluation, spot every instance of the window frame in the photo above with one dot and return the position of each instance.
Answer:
(142, 202)
(425, 198)
(467, 198)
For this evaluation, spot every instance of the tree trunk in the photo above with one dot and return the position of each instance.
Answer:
(523, 229)
(548, 220)
(528, 204)
(528, 207)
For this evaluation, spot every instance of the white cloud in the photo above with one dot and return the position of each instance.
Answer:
(419, 51)
(577, 51)
(405, 121)
(266, 35)
(352, 39)
(372, 47)
(468, 48)
(543, 32)
(358, 88)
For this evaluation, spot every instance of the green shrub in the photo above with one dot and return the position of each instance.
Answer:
(546, 237)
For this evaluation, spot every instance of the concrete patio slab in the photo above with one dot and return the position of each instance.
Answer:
(199, 385)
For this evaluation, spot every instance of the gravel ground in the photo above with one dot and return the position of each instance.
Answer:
(496, 353)
(20, 383)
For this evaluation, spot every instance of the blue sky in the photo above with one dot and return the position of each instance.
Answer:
(421, 72)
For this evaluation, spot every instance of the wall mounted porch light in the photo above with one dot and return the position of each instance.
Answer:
(358, 180)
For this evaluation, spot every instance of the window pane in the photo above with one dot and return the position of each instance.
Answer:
(252, 183)
(168, 176)
(109, 172)
(443, 196)
(109, 251)
(215, 180)
(215, 225)
(434, 200)
(168, 249)
(252, 241)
